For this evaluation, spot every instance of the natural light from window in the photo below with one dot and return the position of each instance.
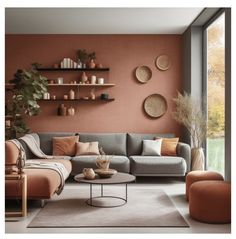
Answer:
(216, 95)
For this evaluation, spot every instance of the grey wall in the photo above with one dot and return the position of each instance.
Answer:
(228, 94)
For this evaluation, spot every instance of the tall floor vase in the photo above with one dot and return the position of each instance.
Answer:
(198, 159)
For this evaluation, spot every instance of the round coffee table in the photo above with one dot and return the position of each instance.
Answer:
(119, 178)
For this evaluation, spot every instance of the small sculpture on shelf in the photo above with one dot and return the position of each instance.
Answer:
(72, 95)
(92, 94)
(84, 78)
(71, 111)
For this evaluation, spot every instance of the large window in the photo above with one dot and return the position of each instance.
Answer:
(216, 94)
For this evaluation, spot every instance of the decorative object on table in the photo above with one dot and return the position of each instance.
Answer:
(99, 65)
(104, 96)
(100, 80)
(84, 77)
(105, 173)
(163, 62)
(189, 113)
(93, 79)
(92, 94)
(46, 96)
(71, 111)
(103, 160)
(60, 80)
(62, 110)
(155, 105)
(65, 97)
(143, 74)
(89, 173)
(29, 87)
(72, 94)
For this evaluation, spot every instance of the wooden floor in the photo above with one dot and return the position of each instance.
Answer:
(174, 187)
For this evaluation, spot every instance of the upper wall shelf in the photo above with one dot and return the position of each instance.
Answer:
(71, 85)
(73, 69)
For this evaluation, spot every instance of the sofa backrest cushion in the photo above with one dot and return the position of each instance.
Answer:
(111, 143)
(135, 141)
(46, 144)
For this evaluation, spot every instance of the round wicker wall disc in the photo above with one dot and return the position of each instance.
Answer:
(143, 74)
(163, 62)
(155, 105)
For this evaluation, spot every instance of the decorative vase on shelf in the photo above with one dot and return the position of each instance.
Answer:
(84, 77)
(198, 159)
(71, 95)
(92, 64)
(71, 111)
(79, 64)
(62, 110)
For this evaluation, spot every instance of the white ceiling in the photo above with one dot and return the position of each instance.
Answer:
(99, 20)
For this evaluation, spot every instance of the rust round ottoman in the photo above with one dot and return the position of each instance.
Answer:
(196, 176)
(210, 201)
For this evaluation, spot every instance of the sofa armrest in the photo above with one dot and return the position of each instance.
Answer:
(184, 151)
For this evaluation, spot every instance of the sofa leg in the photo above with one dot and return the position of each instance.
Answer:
(42, 203)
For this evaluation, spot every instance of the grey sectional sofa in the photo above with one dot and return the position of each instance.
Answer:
(126, 149)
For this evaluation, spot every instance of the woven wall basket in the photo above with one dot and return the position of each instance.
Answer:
(143, 74)
(163, 62)
(155, 105)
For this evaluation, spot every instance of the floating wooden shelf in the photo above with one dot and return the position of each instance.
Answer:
(80, 85)
(72, 69)
(90, 100)
(84, 85)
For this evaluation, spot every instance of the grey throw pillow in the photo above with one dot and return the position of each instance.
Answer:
(152, 147)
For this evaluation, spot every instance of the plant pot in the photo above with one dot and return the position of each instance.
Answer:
(198, 159)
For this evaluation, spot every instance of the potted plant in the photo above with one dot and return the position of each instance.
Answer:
(29, 87)
(84, 57)
(189, 113)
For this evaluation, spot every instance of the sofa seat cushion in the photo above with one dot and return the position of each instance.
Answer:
(157, 165)
(41, 183)
(119, 163)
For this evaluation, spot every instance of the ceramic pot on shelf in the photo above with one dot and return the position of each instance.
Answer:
(92, 64)
(84, 77)
(71, 111)
(71, 95)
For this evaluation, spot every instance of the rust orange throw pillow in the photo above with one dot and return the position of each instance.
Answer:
(168, 146)
(65, 146)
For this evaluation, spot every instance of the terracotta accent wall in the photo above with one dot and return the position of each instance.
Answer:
(122, 53)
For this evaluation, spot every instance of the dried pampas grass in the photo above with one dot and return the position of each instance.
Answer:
(189, 113)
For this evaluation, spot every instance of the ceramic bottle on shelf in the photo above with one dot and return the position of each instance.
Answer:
(71, 95)
(84, 77)
(71, 111)
(92, 64)
(61, 110)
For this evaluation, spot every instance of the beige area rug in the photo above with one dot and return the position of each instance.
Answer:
(145, 208)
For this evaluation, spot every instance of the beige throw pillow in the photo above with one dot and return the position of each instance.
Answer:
(89, 148)
(152, 147)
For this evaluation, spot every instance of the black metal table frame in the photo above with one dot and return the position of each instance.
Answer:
(90, 200)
